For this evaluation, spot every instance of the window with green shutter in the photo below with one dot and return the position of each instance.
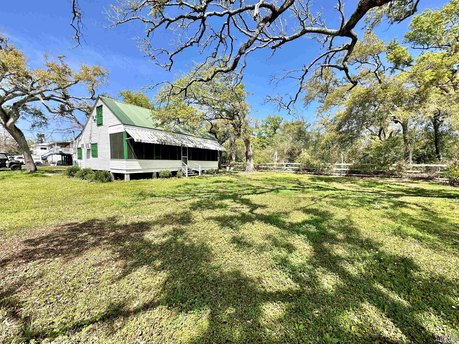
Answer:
(94, 150)
(79, 153)
(99, 117)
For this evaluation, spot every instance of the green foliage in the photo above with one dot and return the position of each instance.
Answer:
(212, 171)
(218, 106)
(452, 174)
(71, 171)
(267, 130)
(398, 55)
(292, 138)
(263, 154)
(383, 155)
(179, 174)
(413, 102)
(85, 174)
(165, 174)
(216, 100)
(88, 174)
(43, 93)
(311, 163)
(438, 29)
(137, 98)
(101, 177)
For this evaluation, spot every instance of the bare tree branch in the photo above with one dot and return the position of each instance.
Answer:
(226, 32)
(76, 22)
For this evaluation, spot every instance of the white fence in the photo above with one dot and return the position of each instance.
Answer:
(410, 170)
(279, 167)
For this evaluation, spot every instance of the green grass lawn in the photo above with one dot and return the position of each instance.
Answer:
(278, 258)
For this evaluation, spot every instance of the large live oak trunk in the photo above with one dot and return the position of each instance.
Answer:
(436, 123)
(249, 166)
(20, 139)
(407, 151)
(232, 149)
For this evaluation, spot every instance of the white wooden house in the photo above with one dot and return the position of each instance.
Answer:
(126, 139)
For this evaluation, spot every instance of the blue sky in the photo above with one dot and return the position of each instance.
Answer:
(42, 27)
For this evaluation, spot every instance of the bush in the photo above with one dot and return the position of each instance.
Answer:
(212, 171)
(452, 174)
(310, 163)
(101, 177)
(71, 171)
(165, 174)
(179, 174)
(85, 174)
(384, 156)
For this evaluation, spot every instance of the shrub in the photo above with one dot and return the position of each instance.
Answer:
(310, 163)
(179, 174)
(452, 174)
(165, 174)
(212, 171)
(71, 171)
(399, 169)
(84, 173)
(101, 177)
(384, 156)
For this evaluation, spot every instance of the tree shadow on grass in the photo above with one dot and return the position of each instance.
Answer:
(394, 285)
(391, 284)
(329, 288)
(431, 228)
(389, 187)
(193, 282)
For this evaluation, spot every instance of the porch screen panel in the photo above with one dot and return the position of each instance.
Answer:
(200, 154)
(116, 146)
(149, 151)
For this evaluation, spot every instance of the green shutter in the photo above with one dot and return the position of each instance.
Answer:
(125, 146)
(99, 117)
(79, 153)
(94, 152)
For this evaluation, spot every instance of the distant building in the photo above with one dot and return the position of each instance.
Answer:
(125, 139)
(54, 152)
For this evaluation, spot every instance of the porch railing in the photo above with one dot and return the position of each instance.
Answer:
(189, 170)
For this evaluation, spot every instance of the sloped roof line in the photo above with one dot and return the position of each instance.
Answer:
(138, 116)
(150, 135)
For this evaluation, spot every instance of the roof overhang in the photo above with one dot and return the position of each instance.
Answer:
(161, 137)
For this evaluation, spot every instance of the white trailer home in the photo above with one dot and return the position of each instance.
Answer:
(126, 140)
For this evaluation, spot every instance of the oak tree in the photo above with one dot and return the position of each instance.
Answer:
(220, 104)
(225, 33)
(42, 93)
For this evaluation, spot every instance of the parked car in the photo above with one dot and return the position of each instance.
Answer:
(6, 162)
(36, 159)
(19, 158)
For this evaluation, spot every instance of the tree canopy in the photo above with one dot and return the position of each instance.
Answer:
(137, 98)
(219, 105)
(226, 33)
(42, 93)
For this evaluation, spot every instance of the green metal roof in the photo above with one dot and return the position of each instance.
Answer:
(131, 114)
(141, 117)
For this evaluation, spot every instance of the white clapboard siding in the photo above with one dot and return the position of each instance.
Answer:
(100, 135)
